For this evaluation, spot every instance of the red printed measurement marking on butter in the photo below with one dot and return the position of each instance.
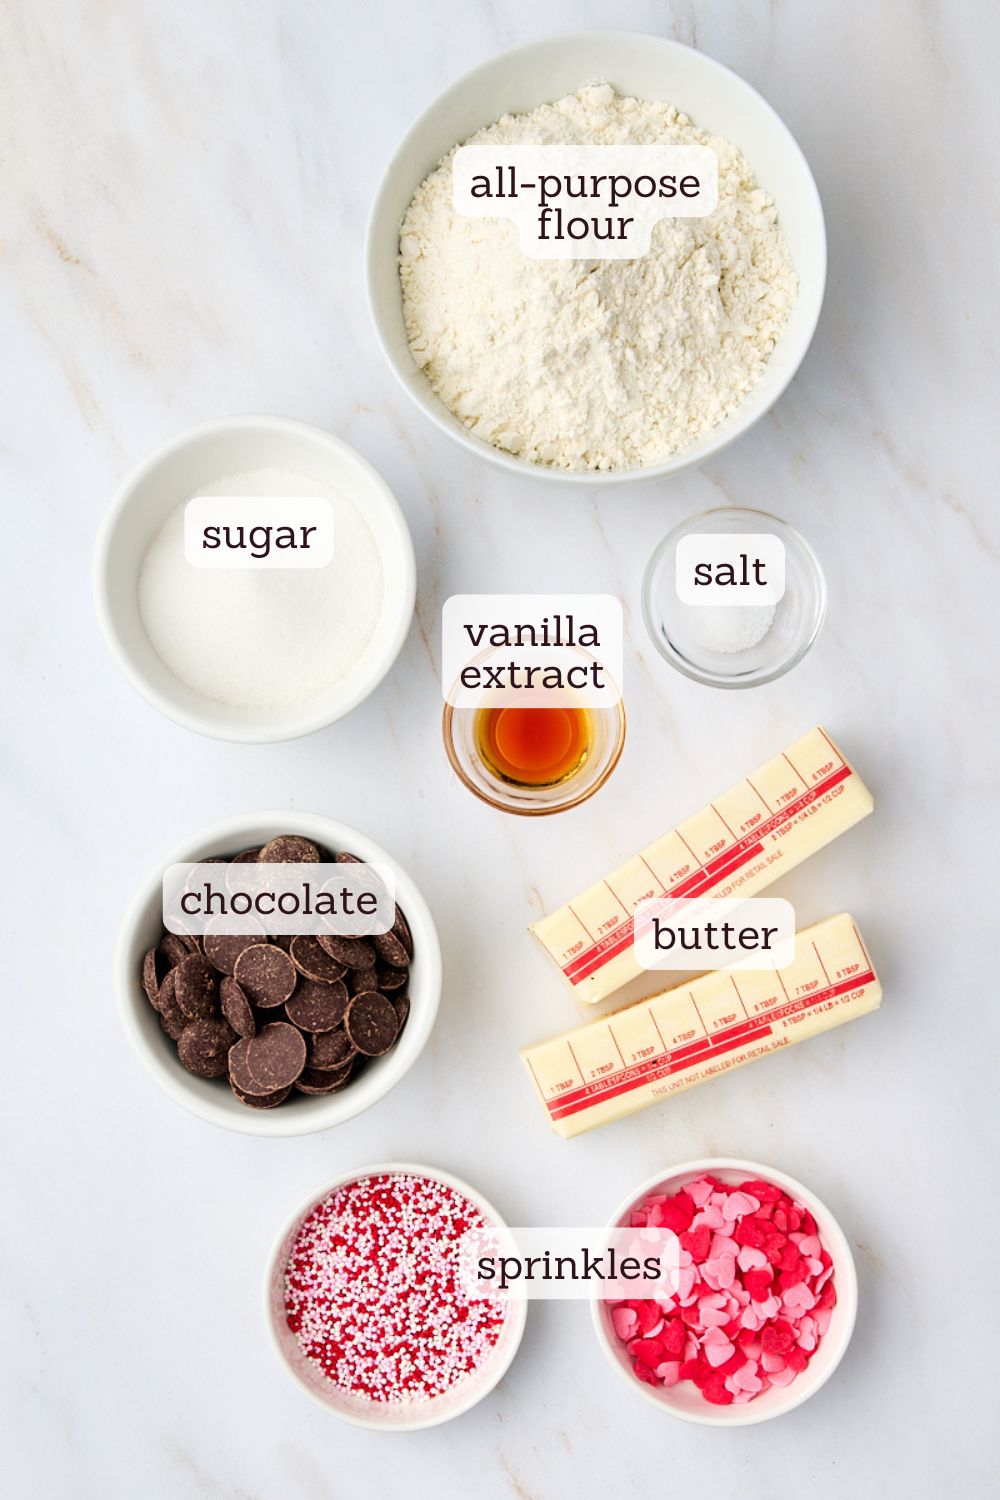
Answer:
(698, 1052)
(687, 1028)
(715, 852)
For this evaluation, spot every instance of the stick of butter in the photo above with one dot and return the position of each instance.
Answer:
(611, 1067)
(740, 842)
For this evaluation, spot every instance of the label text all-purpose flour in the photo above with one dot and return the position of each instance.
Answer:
(600, 364)
(263, 638)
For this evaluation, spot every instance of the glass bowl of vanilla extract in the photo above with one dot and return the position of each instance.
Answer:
(538, 758)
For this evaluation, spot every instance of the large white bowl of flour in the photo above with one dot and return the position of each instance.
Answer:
(253, 655)
(561, 384)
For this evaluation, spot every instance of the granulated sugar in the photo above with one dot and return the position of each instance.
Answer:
(263, 639)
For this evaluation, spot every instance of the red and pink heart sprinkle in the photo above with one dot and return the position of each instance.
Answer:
(754, 1293)
(373, 1295)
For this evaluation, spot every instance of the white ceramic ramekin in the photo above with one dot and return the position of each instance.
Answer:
(649, 67)
(685, 1400)
(384, 1418)
(198, 457)
(212, 1099)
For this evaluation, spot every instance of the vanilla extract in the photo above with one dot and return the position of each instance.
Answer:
(551, 630)
(551, 678)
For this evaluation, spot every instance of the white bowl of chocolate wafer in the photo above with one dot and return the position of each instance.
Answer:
(269, 1034)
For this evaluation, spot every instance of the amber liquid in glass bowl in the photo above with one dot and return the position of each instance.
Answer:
(534, 747)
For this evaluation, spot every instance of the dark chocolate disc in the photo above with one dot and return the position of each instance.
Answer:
(266, 975)
(236, 1007)
(289, 849)
(203, 1048)
(314, 1082)
(330, 1050)
(240, 1077)
(153, 970)
(401, 930)
(389, 979)
(173, 950)
(353, 953)
(317, 1007)
(357, 980)
(371, 1023)
(172, 1018)
(313, 961)
(222, 949)
(260, 1101)
(196, 987)
(391, 950)
(276, 1056)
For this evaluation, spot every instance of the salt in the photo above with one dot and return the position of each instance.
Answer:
(263, 639)
(727, 628)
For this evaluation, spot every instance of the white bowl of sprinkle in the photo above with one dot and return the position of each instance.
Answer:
(210, 1098)
(253, 654)
(789, 1342)
(361, 1303)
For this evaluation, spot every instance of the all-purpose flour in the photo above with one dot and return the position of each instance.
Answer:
(596, 364)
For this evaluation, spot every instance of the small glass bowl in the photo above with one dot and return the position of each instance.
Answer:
(798, 617)
(608, 740)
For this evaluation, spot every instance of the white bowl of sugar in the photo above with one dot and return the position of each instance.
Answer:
(248, 654)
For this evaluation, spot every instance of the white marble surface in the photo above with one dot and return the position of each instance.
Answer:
(184, 194)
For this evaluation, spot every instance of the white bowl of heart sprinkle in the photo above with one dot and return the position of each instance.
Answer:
(682, 1398)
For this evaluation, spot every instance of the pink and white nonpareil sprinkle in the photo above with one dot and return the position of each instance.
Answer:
(373, 1293)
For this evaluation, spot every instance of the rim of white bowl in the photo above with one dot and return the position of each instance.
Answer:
(275, 1262)
(847, 1293)
(167, 1071)
(284, 727)
(689, 458)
